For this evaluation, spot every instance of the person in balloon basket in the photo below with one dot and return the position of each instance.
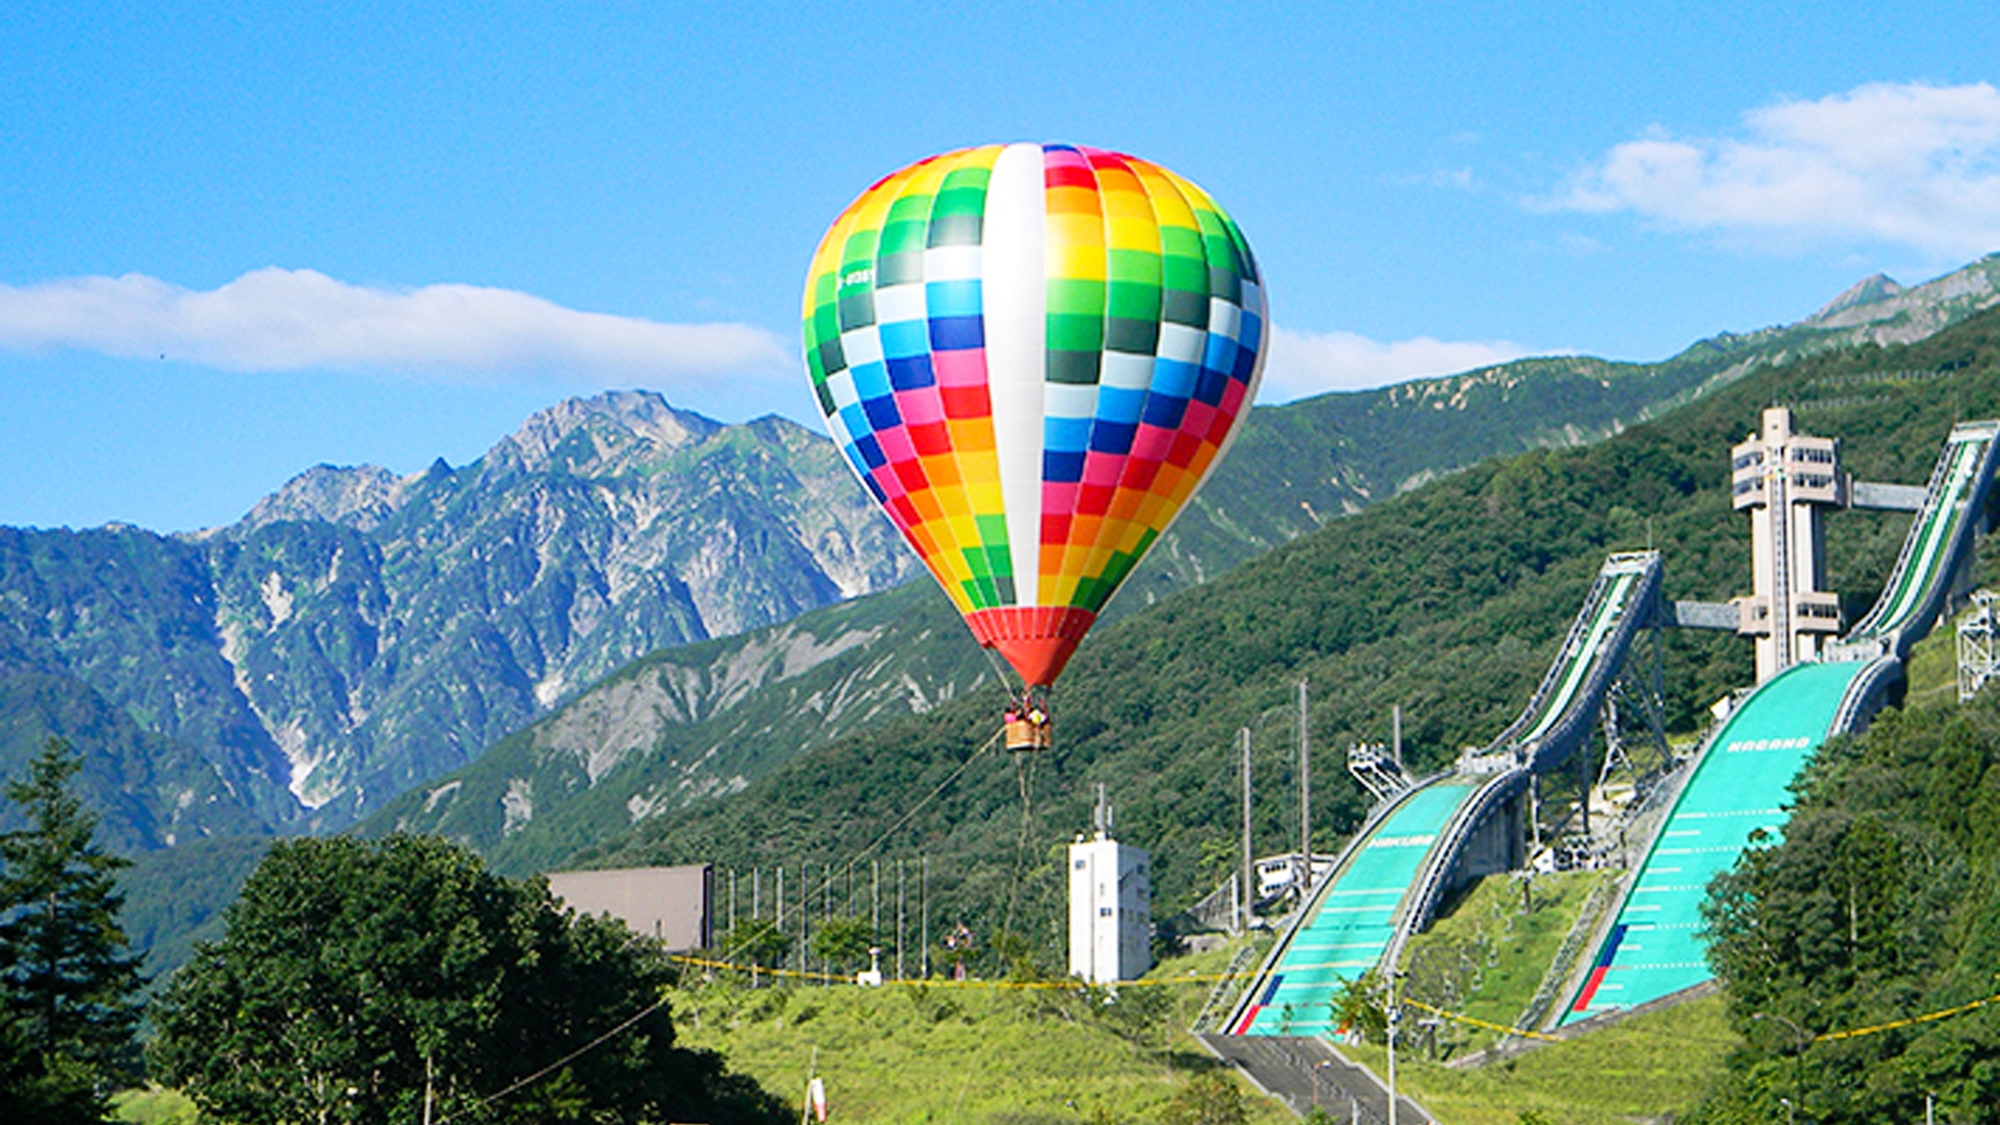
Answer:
(1027, 725)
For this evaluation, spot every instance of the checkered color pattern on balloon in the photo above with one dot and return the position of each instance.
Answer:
(1031, 355)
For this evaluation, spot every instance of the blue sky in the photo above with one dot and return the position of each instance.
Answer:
(239, 240)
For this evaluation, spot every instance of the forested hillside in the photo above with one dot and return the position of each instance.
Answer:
(1881, 903)
(1448, 601)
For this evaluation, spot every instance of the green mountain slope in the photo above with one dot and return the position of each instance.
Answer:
(1448, 600)
(358, 632)
(1295, 468)
(695, 722)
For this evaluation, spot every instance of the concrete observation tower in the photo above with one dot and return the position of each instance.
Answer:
(1785, 480)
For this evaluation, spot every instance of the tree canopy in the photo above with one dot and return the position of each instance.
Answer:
(68, 985)
(362, 981)
(1881, 903)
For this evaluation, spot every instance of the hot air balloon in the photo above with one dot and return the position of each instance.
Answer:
(1032, 355)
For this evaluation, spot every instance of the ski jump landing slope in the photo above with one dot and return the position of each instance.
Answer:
(1392, 870)
(1740, 784)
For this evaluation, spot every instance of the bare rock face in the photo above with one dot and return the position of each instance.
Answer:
(359, 632)
(1867, 291)
(360, 497)
(476, 598)
(1877, 310)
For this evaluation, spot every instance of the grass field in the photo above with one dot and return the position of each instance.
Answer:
(1642, 1069)
(939, 1052)
(153, 1106)
(1486, 957)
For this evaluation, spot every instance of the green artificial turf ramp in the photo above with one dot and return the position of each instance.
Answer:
(1355, 918)
(1741, 785)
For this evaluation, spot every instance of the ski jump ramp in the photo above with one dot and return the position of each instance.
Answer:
(1740, 782)
(1406, 855)
(1416, 847)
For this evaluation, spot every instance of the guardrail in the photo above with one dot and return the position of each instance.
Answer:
(1895, 622)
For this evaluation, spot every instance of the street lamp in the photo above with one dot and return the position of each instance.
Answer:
(1804, 1039)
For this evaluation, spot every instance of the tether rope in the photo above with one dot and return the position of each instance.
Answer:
(1024, 774)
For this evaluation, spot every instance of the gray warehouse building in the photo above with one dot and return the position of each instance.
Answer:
(673, 904)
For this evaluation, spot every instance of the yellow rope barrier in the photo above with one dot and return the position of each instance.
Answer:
(1927, 1017)
(1827, 1037)
(1457, 1017)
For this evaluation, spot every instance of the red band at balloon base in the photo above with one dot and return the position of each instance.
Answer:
(1036, 640)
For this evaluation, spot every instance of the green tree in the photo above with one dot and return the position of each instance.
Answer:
(1358, 1006)
(1881, 901)
(843, 942)
(366, 982)
(755, 941)
(1209, 1098)
(68, 983)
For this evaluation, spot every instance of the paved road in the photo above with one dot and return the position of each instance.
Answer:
(1304, 1072)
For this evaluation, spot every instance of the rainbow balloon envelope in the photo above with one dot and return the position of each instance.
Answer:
(1032, 355)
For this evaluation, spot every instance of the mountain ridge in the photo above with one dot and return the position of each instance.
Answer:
(1289, 453)
(358, 631)
(361, 633)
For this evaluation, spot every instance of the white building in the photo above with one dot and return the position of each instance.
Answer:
(1110, 906)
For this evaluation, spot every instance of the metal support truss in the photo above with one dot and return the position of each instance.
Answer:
(1640, 689)
(1977, 633)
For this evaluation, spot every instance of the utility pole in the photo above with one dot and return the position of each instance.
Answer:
(925, 907)
(1396, 734)
(1305, 801)
(1583, 777)
(899, 918)
(1246, 892)
(1394, 1019)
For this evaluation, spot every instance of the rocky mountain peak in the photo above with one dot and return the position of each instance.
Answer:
(602, 432)
(1883, 312)
(357, 496)
(1867, 291)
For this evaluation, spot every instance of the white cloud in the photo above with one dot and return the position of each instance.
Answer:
(1908, 164)
(1308, 363)
(286, 320)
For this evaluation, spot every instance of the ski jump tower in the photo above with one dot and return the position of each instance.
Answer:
(1784, 479)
